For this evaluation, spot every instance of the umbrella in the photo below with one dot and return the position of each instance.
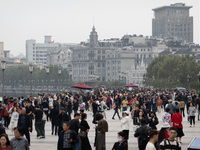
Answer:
(81, 86)
(131, 85)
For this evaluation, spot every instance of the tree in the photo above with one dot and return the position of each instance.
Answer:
(172, 70)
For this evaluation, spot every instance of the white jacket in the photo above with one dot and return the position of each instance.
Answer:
(125, 123)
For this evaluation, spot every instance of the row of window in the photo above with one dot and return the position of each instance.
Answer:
(40, 59)
(39, 55)
(39, 51)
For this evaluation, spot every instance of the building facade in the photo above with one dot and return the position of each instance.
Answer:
(173, 21)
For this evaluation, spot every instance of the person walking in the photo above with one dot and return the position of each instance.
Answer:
(177, 123)
(85, 144)
(159, 104)
(43, 125)
(191, 113)
(67, 138)
(125, 125)
(167, 116)
(75, 106)
(182, 107)
(63, 117)
(14, 118)
(5, 115)
(38, 121)
(4, 142)
(124, 105)
(153, 120)
(19, 142)
(82, 106)
(102, 128)
(116, 108)
(45, 106)
(24, 124)
(54, 113)
(69, 108)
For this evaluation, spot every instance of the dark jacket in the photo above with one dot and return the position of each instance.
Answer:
(75, 104)
(27, 120)
(102, 126)
(62, 118)
(75, 126)
(152, 123)
(122, 146)
(54, 113)
(73, 136)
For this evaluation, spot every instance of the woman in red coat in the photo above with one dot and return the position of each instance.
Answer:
(177, 123)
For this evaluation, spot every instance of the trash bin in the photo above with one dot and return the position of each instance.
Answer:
(194, 144)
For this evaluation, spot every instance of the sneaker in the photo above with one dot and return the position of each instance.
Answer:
(113, 118)
(51, 133)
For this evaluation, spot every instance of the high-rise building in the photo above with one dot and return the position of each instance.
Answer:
(173, 21)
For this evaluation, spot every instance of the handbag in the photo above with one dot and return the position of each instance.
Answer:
(82, 134)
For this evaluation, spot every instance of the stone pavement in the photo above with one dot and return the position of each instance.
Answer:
(50, 142)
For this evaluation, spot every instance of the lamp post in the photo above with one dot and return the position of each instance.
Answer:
(31, 71)
(47, 71)
(3, 67)
(198, 75)
(59, 73)
(188, 79)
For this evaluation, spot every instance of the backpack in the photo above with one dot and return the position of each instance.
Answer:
(168, 143)
(144, 137)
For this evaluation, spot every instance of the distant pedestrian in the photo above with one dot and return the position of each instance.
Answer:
(38, 121)
(191, 113)
(54, 113)
(125, 125)
(63, 117)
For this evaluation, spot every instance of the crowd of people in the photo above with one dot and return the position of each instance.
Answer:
(68, 115)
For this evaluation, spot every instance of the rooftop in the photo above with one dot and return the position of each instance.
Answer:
(176, 5)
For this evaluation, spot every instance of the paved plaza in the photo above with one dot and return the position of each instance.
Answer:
(50, 142)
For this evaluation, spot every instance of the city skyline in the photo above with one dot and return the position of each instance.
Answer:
(23, 20)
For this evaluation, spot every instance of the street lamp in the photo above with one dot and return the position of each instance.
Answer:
(3, 67)
(198, 75)
(188, 79)
(47, 71)
(31, 71)
(59, 73)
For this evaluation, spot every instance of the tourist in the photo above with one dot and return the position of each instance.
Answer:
(153, 120)
(14, 118)
(163, 133)
(125, 124)
(103, 107)
(29, 112)
(121, 144)
(69, 108)
(19, 142)
(153, 139)
(45, 106)
(142, 135)
(102, 128)
(63, 117)
(75, 126)
(67, 138)
(177, 123)
(43, 125)
(24, 124)
(5, 143)
(182, 107)
(38, 121)
(171, 142)
(108, 101)
(82, 106)
(54, 113)
(5, 115)
(75, 106)
(116, 108)
(159, 104)
(167, 116)
(124, 105)
(85, 144)
(191, 113)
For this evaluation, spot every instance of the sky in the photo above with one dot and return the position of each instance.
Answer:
(71, 21)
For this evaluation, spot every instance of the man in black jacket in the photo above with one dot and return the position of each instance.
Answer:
(67, 138)
(75, 106)
(38, 121)
(54, 113)
(62, 118)
(24, 124)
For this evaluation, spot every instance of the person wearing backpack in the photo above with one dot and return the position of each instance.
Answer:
(142, 135)
(170, 143)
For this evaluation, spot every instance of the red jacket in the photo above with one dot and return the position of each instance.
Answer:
(177, 120)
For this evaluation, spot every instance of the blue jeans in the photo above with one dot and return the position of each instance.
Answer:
(77, 145)
(43, 128)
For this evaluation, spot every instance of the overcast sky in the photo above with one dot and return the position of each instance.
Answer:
(70, 21)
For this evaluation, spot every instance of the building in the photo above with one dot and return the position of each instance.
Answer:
(1, 50)
(60, 57)
(36, 53)
(173, 21)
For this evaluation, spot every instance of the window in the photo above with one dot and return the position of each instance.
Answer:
(99, 65)
(103, 64)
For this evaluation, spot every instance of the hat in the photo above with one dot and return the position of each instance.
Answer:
(126, 112)
(165, 125)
